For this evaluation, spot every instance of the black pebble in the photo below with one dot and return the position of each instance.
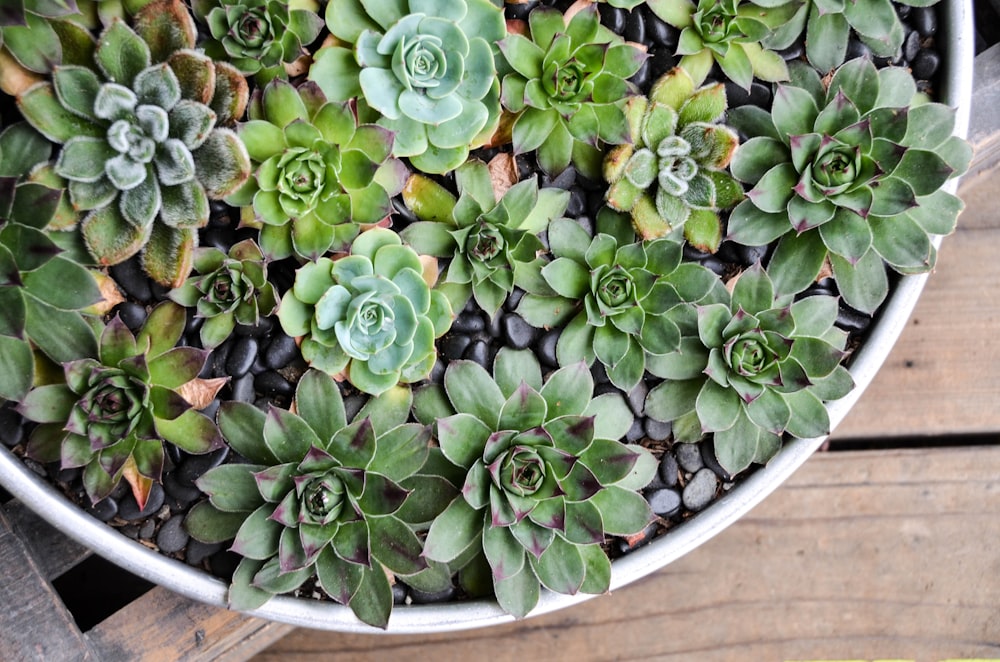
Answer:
(129, 276)
(635, 433)
(657, 430)
(147, 529)
(219, 357)
(198, 551)
(453, 345)
(263, 327)
(851, 320)
(637, 398)
(546, 349)
(131, 314)
(923, 20)
(243, 388)
(612, 18)
(272, 383)
(635, 28)
(469, 321)
(664, 502)
(518, 333)
(280, 351)
(668, 469)
(128, 509)
(911, 46)
(241, 356)
(172, 537)
(104, 510)
(479, 351)
(399, 588)
(11, 426)
(183, 493)
(856, 48)
(926, 64)
(759, 95)
(658, 31)
(194, 466)
(423, 597)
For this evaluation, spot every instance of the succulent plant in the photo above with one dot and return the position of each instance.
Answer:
(544, 480)
(672, 173)
(426, 68)
(489, 241)
(321, 497)
(142, 145)
(114, 410)
(751, 371)
(876, 22)
(729, 33)
(42, 292)
(620, 301)
(850, 171)
(229, 289)
(318, 173)
(566, 88)
(370, 315)
(258, 36)
(30, 31)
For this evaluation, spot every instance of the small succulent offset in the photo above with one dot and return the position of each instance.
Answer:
(42, 292)
(623, 300)
(426, 66)
(729, 33)
(489, 241)
(848, 173)
(114, 411)
(566, 88)
(229, 289)
(142, 145)
(371, 315)
(321, 497)
(258, 36)
(318, 173)
(751, 371)
(876, 22)
(544, 482)
(672, 174)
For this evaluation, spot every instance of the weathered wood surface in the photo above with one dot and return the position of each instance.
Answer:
(860, 555)
(35, 624)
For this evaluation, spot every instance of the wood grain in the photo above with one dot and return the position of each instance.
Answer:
(35, 624)
(163, 626)
(864, 555)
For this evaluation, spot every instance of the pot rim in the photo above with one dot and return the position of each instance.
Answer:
(893, 317)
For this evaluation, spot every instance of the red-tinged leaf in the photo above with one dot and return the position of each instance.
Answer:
(141, 485)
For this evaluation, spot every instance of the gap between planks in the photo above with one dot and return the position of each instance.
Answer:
(860, 555)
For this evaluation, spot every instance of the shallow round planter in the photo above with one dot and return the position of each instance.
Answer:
(956, 89)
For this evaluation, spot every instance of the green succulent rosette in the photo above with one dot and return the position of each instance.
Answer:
(752, 369)
(620, 300)
(544, 479)
(143, 147)
(673, 172)
(258, 36)
(229, 288)
(43, 291)
(740, 37)
(113, 412)
(370, 315)
(848, 173)
(876, 23)
(424, 68)
(321, 497)
(319, 174)
(490, 242)
(567, 86)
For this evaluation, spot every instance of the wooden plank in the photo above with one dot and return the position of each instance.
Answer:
(161, 625)
(52, 551)
(34, 623)
(943, 375)
(878, 554)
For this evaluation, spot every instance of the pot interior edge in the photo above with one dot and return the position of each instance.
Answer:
(23, 484)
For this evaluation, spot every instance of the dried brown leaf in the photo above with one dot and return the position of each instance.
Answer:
(201, 392)
(15, 79)
(503, 173)
(112, 296)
